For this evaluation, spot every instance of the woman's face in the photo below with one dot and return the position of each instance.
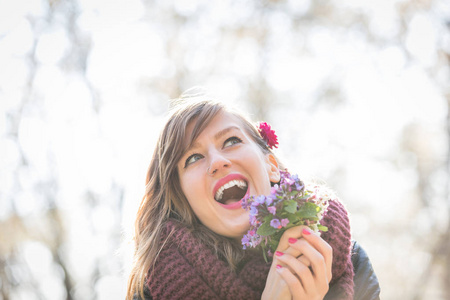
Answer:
(223, 165)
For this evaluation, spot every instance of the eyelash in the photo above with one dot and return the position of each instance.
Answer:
(186, 164)
(233, 138)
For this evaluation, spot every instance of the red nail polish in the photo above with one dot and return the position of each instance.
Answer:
(279, 267)
(306, 231)
(292, 240)
(278, 253)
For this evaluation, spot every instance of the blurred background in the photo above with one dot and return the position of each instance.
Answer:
(358, 92)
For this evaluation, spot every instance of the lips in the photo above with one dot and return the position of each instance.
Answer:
(225, 183)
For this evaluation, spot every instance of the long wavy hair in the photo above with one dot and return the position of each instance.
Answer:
(164, 199)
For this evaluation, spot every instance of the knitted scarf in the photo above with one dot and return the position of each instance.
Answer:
(188, 269)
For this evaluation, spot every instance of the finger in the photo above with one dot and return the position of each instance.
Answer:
(318, 264)
(302, 271)
(304, 260)
(323, 247)
(292, 233)
(292, 282)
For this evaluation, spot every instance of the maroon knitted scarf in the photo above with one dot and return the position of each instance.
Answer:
(188, 269)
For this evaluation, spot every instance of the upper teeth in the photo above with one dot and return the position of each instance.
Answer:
(240, 183)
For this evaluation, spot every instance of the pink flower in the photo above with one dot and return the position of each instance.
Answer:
(272, 210)
(284, 222)
(268, 135)
(289, 181)
(274, 189)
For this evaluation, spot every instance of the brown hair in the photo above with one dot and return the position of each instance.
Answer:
(164, 198)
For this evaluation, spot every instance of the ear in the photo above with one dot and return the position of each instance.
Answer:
(272, 168)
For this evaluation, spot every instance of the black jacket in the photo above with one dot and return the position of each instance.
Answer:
(366, 282)
(366, 285)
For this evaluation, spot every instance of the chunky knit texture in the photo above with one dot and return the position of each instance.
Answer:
(187, 269)
(339, 238)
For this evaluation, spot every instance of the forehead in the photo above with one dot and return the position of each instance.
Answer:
(222, 120)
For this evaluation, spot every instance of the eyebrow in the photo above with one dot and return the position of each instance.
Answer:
(224, 131)
(217, 136)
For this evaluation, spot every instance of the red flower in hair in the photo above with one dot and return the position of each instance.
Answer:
(268, 135)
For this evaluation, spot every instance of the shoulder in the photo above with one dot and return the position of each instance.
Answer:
(366, 286)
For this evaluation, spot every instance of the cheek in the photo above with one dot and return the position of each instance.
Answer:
(187, 188)
(192, 197)
(191, 186)
(256, 167)
(184, 183)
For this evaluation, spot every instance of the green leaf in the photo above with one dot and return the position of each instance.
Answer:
(268, 218)
(264, 252)
(277, 236)
(308, 210)
(273, 244)
(322, 228)
(290, 206)
(265, 229)
(292, 218)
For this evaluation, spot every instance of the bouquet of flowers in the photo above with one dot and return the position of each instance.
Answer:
(289, 204)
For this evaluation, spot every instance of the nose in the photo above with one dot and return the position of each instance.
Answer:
(217, 163)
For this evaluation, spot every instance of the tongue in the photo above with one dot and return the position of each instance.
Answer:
(232, 195)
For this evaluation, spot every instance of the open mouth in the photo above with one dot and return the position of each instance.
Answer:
(231, 191)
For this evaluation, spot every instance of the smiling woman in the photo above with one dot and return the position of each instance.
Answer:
(222, 167)
(190, 222)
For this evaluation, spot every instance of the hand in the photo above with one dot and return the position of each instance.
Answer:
(301, 268)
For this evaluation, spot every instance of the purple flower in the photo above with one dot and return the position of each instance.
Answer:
(298, 186)
(273, 197)
(289, 181)
(260, 199)
(253, 220)
(272, 210)
(245, 242)
(274, 189)
(256, 240)
(275, 223)
(264, 207)
(245, 202)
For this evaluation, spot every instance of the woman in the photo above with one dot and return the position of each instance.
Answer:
(190, 222)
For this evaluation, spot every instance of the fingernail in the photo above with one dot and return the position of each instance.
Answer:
(279, 267)
(306, 231)
(278, 253)
(292, 240)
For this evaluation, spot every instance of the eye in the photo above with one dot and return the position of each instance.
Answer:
(232, 141)
(192, 159)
